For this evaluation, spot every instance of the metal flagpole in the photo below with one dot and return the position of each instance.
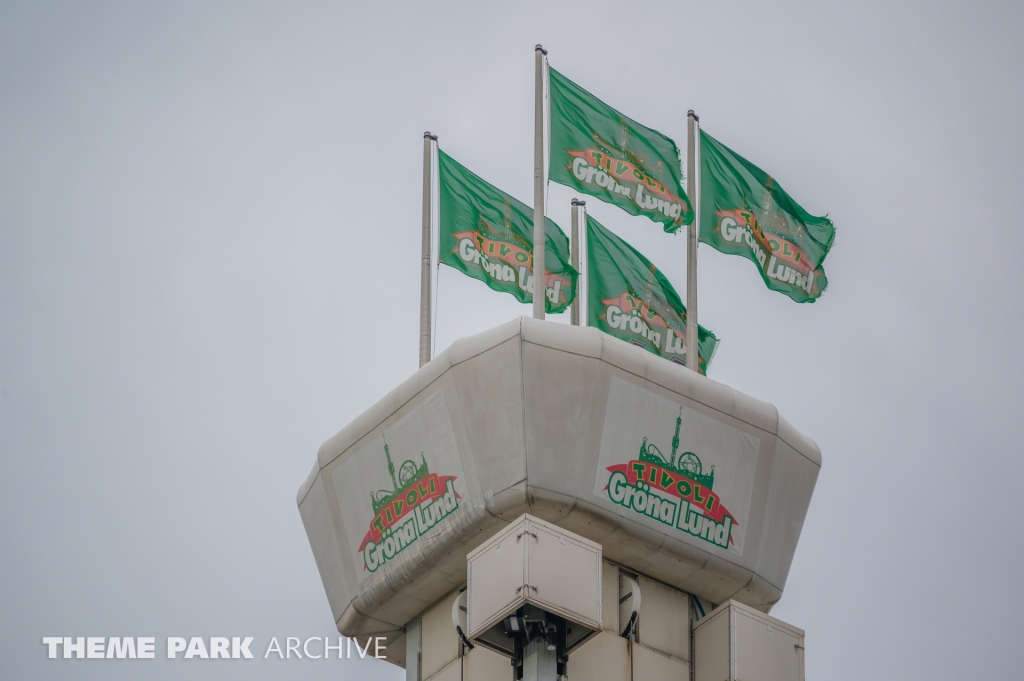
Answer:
(581, 289)
(692, 352)
(539, 290)
(425, 326)
(575, 253)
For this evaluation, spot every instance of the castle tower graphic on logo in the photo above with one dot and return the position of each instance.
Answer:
(674, 491)
(418, 501)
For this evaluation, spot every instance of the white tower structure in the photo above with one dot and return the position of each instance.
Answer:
(544, 502)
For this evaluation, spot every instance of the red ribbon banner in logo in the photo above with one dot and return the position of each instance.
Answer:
(624, 171)
(676, 485)
(493, 248)
(746, 219)
(427, 488)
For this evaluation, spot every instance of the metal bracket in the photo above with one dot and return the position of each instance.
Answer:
(465, 640)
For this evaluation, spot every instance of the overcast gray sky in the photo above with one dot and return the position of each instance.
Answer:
(209, 241)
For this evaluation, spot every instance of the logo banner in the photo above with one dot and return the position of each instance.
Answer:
(745, 212)
(674, 469)
(597, 150)
(629, 298)
(400, 485)
(488, 235)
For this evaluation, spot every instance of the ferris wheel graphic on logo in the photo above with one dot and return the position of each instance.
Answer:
(688, 464)
(418, 501)
(674, 491)
(408, 473)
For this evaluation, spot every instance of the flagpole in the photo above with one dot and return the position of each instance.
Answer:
(692, 342)
(539, 240)
(581, 289)
(425, 325)
(575, 254)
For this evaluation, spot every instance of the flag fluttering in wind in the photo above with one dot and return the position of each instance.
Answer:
(629, 298)
(745, 212)
(488, 235)
(597, 150)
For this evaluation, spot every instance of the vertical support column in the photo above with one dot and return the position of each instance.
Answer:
(574, 311)
(413, 650)
(692, 342)
(428, 185)
(539, 240)
(539, 663)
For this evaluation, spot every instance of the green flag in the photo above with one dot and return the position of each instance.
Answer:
(629, 298)
(597, 150)
(488, 235)
(745, 212)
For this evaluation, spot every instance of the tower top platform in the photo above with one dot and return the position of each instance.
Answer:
(677, 476)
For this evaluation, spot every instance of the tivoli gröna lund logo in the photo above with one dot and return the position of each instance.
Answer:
(674, 491)
(418, 501)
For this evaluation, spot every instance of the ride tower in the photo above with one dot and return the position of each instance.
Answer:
(536, 530)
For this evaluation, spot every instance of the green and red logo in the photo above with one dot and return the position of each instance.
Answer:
(508, 263)
(674, 491)
(735, 225)
(624, 177)
(419, 501)
(780, 259)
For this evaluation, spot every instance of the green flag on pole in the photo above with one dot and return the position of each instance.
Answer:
(745, 212)
(488, 235)
(629, 298)
(597, 150)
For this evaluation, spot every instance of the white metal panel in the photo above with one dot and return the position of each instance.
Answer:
(564, 573)
(738, 643)
(610, 597)
(534, 561)
(664, 622)
(653, 665)
(481, 664)
(440, 641)
(767, 650)
(497, 573)
(711, 648)
(605, 657)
